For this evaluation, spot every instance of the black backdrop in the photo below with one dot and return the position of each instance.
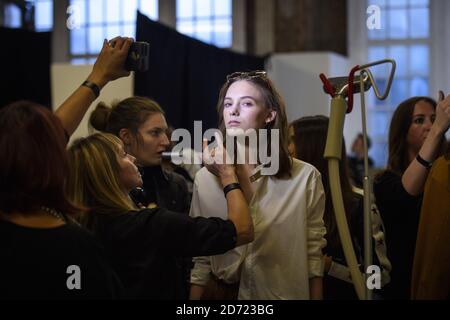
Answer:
(185, 75)
(25, 59)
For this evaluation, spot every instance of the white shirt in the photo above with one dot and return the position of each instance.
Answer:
(289, 235)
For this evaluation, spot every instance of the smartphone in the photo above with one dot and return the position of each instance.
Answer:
(138, 57)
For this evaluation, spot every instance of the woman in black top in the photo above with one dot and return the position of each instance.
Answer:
(43, 254)
(143, 244)
(416, 138)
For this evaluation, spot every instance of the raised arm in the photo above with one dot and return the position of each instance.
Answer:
(238, 210)
(238, 213)
(416, 174)
(108, 67)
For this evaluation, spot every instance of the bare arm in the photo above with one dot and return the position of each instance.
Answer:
(238, 213)
(109, 66)
(414, 177)
(238, 210)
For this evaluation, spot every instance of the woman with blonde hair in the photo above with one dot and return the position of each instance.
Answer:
(143, 244)
(141, 125)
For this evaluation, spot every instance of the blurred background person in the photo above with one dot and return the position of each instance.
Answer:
(356, 160)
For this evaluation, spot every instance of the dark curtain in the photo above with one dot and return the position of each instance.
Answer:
(185, 75)
(25, 60)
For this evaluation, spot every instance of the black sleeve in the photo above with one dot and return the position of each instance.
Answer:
(181, 235)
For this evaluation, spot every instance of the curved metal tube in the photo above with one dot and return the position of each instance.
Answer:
(365, 69)
(333, 151)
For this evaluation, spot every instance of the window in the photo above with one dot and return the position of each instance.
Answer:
(405, 37)
(206, 20)
(13, 16)
(90, 22)
(43, 14)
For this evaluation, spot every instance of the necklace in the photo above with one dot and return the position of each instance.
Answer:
(53, 213)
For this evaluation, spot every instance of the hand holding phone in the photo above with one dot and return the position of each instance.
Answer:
(138, 56)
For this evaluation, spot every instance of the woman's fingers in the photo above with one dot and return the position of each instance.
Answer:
(206, 153)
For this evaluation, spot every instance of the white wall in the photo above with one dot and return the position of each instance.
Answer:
(296, 76)
(66, 78)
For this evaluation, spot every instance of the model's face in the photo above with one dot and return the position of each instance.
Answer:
(129, 175)
(243, 108)
(154, 141)
(422, 120)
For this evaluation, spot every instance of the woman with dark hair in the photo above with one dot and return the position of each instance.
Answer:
(356, 160)
(43, 253)
(307, 141)
(144, 244)
(286, 197)
(416, 138)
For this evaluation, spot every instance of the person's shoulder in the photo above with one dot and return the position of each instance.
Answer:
(117, 222)
(159, 217)
(132, 223)
(142, 214)
(442, 161)
(302, 173)
(386, 176)
(77, 231)
(301, 168)
(77, 239)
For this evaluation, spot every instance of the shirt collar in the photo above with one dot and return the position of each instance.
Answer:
(256, 173)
